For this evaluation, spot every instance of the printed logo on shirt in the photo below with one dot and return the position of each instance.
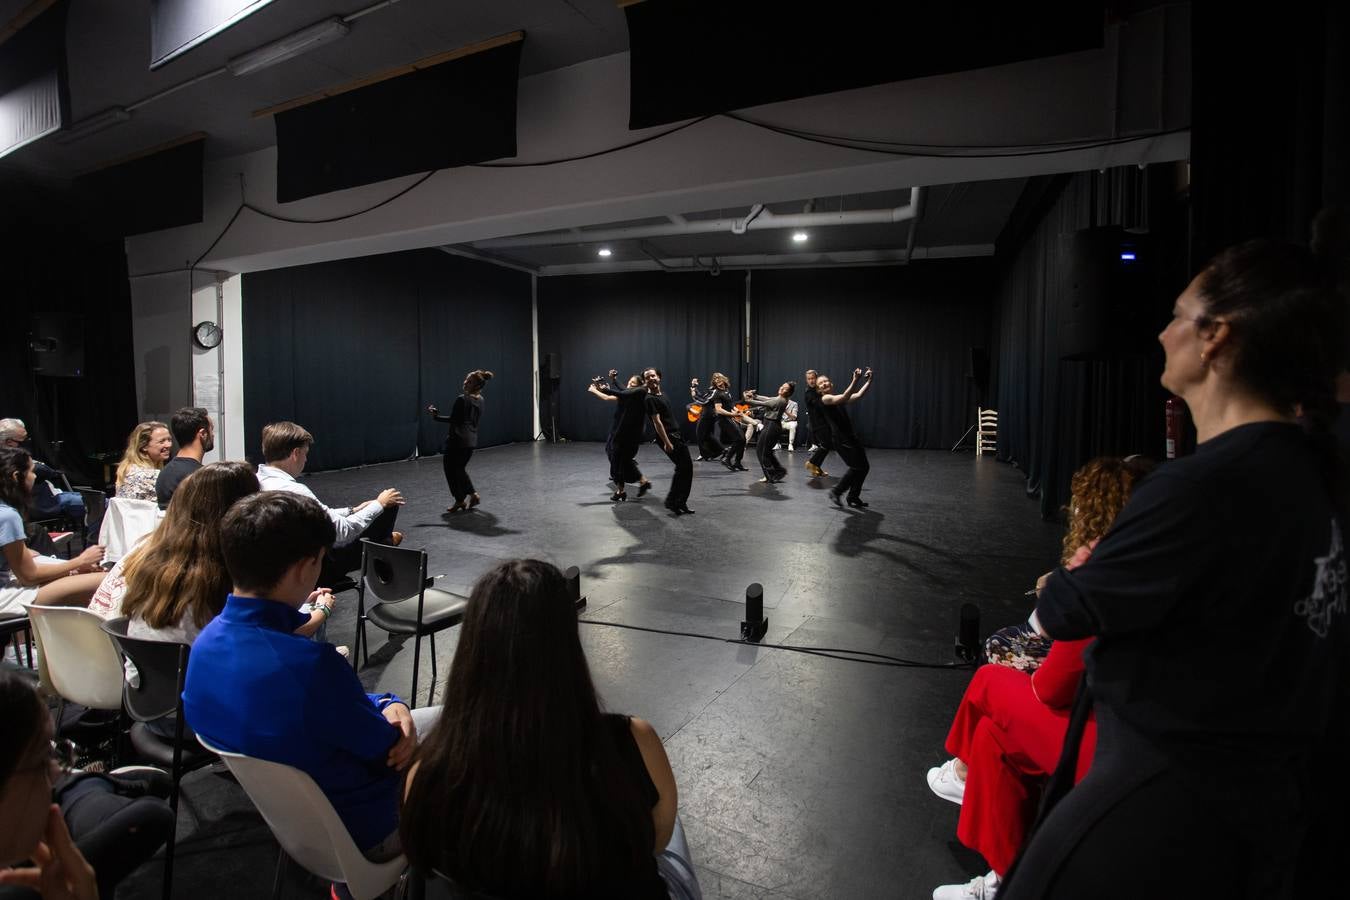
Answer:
(1328, 592)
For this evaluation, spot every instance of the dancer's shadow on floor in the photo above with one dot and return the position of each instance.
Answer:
(641, 523)
(758, 489)
(484, 524)
(863, 528)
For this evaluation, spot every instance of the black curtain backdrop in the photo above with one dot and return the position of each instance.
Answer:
(62, 270)
(915, 325)
(355, 350)
(1270, 141)
(686, 324)
(1055, 414)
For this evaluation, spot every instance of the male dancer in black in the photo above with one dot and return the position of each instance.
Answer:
(819, 425)
(671, 440)
(771, 411)
(626, 437)
(846, 442)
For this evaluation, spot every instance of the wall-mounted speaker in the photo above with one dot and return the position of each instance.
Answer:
(56, 345)
(1107, 307)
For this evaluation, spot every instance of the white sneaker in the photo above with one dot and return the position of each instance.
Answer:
(946, 783)
(982, 887)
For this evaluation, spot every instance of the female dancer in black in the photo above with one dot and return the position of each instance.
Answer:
(462, 438)
(626, 436)
(670, 438)
(819, 423)
(719, 412)
(846, 442)
(771, 411)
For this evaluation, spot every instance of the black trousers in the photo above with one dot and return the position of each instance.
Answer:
(851, 451)
(455, 461)
(339, 562)
(734, 438)
(709, 447)
(623, 468)
(768, 460)
(115, 832)
(824, 444)
(684, 474)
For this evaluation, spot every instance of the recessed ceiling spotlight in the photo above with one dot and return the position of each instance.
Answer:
(799, 237)
(603, 251)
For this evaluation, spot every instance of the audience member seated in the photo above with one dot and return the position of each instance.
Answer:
(26, 577)
(255, 687)
(196, 436)
(1098, 492)
(790, 425)
(285, 447)
(98, 830)
(175, 581)
(524, 788)
(1010, 726)
(148, 449)
(50, 499)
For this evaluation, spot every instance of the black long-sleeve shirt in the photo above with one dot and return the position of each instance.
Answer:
(464, 417)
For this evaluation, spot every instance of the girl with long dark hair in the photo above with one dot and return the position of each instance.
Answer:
(462, 439)
(1218, 601)
(26, 577)
(525, 788)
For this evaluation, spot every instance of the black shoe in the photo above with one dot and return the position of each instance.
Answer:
(834, 498)
(142, 781)
(686, 511)
(857, 503)
(739, 468)
(618, 496)
(643, 488)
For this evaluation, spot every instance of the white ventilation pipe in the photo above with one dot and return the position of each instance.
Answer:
(764, 220)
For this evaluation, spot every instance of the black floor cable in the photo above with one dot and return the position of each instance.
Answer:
(828, 652)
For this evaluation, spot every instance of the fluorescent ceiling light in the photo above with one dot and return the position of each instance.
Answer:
(799, 237)
(603, 251)
(114, 115)
(289, 47)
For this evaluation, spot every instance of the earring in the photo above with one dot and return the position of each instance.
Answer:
(1202, 357)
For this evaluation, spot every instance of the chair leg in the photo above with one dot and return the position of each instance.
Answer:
(417, 650)
(281, 870)
(177, 773)
(431, 691)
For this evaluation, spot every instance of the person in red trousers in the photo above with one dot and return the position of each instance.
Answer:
(1009, 728)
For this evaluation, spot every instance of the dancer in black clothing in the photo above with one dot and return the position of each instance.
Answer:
(462, 439)
(626, 436)
(705, 431)
(819, 423)
(846, 442)
(671, 440)
(771, 411)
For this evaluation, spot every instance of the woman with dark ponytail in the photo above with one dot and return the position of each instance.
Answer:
(1218, 600)
(463, 438)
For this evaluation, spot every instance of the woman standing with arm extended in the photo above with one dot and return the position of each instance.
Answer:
(1215, 769)
(846, 441)
(772, 411)
(463, 438)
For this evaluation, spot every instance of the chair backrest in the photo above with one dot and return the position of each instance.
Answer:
(125, 523)
(987, 436)
(160, 668)
(307, 826)
(392, 574)
(95, 504)
(81, 660)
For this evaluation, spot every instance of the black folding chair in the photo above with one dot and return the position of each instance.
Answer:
(161, 668)
(403, 602)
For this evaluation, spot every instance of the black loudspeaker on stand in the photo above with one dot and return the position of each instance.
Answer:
(968, 634)
(755, 625)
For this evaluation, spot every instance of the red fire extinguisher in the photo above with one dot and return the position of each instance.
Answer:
(1173, 412)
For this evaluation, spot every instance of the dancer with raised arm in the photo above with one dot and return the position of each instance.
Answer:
(626, 435)
(846, 441)
(462, 439)
(819, 423)
(671, 440)
(771, 411)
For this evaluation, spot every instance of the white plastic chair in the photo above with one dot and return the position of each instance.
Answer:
(126, 522)
(986, 437)
(307, 827)
(80, 660)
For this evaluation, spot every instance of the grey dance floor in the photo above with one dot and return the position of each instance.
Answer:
(799, 776)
